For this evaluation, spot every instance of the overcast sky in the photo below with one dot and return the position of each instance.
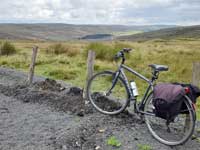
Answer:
(127, 12)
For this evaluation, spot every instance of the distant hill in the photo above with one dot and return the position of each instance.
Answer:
(61, 32)
(169, 33)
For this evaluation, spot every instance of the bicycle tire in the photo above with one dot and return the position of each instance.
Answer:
(107, 100)
(158, 137)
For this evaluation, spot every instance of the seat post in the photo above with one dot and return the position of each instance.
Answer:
(155, 75)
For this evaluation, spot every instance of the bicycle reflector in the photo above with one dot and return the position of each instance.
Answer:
(187, 90)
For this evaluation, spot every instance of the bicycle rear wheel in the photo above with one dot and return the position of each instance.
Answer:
(106, 102)
(178, 131)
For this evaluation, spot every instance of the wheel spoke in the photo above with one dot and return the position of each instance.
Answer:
(175, 132)
(110, 100)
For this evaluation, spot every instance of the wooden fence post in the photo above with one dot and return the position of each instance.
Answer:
(32, 65)
(195, 81)
(196, 74)
(90, 64)
(90, 67)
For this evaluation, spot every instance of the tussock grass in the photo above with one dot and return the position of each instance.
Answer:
(177, 54)
(56, 49)
(7, 48)
(59, 48)
(106, 51)
(144, 147)
(102, 51)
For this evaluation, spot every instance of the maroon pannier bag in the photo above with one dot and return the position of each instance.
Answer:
(167, 100)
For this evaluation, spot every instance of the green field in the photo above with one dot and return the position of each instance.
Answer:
(67, 60)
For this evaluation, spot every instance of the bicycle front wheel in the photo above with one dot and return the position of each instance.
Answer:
(103, 97)
(178, 131)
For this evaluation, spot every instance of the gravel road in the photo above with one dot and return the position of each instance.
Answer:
(35, 118)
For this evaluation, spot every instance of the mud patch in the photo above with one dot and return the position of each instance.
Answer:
(49, 84)
(105, 103)
(53, 94)
(49, 93)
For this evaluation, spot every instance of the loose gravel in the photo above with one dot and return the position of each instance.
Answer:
(51, 115)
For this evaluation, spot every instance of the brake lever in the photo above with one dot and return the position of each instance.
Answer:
(118, 55)
(127, 50)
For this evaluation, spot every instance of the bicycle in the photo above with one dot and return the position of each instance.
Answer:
(105, 92)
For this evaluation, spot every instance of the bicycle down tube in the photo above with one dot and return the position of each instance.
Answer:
(121, 67)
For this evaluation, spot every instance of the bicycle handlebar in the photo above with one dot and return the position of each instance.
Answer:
(121, 53)
(126, 50)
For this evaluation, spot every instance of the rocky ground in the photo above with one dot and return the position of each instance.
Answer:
(51, 115)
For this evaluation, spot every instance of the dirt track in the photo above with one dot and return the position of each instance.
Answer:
(46, 118)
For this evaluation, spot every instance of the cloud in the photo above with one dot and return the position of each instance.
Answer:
(101, 12)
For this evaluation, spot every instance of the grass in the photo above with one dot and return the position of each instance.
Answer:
(113, 141)
(7, 48)
(144, 147)
(178, 54)
(59, 48)
(105, 51)
(194, 137)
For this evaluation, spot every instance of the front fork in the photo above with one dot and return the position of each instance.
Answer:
(114, 81)
(131, 96)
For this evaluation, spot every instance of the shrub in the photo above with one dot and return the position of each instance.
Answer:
(102, 51)
(7, 48)
(56, 49)
(72, 52)
(61, 49)
(4, 62)
(105, 51)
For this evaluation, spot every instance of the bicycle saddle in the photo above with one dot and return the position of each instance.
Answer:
(159, 67)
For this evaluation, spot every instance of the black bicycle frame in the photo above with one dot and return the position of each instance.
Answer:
(120, 72)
